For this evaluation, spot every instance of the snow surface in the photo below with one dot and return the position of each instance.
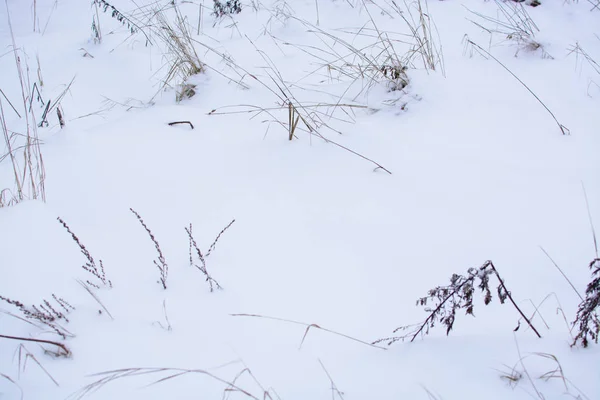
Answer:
(480, 171)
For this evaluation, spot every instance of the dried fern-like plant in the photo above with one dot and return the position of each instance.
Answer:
(447, 300)
(587, 320)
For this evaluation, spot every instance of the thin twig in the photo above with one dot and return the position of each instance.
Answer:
(512, 300)
(562, 273)
(181, 122)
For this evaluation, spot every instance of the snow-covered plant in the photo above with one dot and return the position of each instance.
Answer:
(442, 302)
(588, 321)
(90, 266)
(226, 8)
(160, 263)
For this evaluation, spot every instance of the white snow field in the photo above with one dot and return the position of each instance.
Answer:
(426, 138)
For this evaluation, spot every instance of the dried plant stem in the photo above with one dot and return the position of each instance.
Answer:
(60, 345)
(308, 326)
(110, 376)
(214, 243)
(161, 264)
(563, 129)
(433, 314)
(512, 300)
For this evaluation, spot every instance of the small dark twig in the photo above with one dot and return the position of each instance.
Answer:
(181, 122)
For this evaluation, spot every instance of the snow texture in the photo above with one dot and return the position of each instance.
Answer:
(323, 235)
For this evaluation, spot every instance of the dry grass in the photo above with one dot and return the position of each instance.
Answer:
(162, 375)
(23, 149)
(182, 60)
(308, 328)
(514, 25)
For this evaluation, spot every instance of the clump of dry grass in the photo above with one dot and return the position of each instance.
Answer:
(426, 44)
(22, 148)
(520, 374)
(182, 60)
(514, 24)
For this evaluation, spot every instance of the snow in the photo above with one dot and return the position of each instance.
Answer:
(480, 171)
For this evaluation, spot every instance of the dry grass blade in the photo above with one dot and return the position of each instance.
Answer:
(87, 289)
(114, 375)
(587, 205)
(334, 388)
(25, 355)
(563, 273)
(482, 51)
(182, 59)
(308, 326)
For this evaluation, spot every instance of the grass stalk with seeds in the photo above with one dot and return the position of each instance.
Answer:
(160, 263)
(97, 270)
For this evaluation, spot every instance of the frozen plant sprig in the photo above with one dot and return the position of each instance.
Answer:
(202, 267)
(90, 266)
(587, 320)
(44, 313)
(447, 300)
(162, 263)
